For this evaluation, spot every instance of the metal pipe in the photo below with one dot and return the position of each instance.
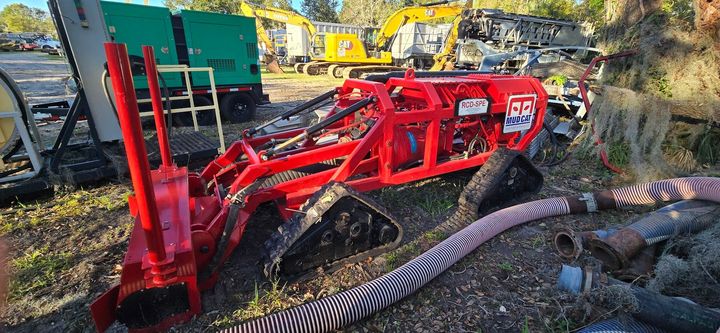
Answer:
(336, 311)
(287, 114)
(670, 313)
(129, 117)
(156, 99)
(319, 126)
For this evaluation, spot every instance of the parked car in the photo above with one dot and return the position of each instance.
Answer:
(7, 44)
(47, 44)
(24, 44)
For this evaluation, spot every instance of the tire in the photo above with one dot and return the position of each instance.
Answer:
(237, 107)
(204, 118)
(419, 64)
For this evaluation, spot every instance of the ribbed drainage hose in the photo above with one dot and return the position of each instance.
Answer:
(339, 310)
(624, 325)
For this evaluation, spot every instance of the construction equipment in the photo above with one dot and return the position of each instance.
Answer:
(17, 131)
(347, 56)
(182, 39)
(270, 58)
(307, 28)
(379, 134)
(88, 156)
(491, 38)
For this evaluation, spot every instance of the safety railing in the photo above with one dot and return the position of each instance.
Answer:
(188, 96)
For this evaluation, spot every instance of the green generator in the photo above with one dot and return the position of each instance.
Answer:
(227, 43)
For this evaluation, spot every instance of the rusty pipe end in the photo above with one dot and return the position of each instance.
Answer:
(568, 243)
(616, 250)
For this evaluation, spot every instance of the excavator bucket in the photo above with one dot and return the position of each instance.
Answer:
(272, 64)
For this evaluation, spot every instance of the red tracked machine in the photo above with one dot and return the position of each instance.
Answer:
(378, 134)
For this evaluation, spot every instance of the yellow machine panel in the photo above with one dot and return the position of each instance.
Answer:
(348, 48)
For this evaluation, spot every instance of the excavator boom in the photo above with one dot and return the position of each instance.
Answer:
(413, 14)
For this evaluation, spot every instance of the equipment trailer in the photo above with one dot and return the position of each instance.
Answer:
(378, 134)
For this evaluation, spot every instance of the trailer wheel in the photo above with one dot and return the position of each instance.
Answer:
(204, 118)
(237, 107)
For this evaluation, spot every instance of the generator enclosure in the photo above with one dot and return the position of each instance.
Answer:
(227, 43)
(138, 25)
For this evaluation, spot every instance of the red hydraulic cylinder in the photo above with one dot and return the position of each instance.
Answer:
(129, 117)
(156, 98)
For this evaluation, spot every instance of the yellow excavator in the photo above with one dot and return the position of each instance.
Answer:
(278, 15)
(346, 56)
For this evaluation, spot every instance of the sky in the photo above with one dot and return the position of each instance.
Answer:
(42, 4)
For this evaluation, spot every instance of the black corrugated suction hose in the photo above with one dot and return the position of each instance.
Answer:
(341, 309)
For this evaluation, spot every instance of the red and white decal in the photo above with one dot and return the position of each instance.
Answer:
(520, 113)
(471, 106)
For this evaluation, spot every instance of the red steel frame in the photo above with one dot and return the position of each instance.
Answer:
(194, 213)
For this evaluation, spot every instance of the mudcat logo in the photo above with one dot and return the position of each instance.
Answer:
(520, 112)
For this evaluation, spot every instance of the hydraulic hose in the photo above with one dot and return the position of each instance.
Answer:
(617, 249)
(671, 313)
(678, 218)
(618, 325)
(339, 310)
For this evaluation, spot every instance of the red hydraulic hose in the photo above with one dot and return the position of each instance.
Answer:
(586, 101)
(158, 112)
(129, 117)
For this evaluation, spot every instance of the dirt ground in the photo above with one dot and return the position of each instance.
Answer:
(67, 250)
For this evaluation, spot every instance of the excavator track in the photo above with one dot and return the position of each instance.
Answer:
(507, 176)
(336, 226)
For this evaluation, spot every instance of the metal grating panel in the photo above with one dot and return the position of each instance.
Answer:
(252, 51)
(222, 65)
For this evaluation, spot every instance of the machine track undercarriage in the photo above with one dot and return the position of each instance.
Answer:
(378, 134)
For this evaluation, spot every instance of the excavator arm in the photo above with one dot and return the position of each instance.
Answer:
(270, 57)
(446, 57)
(412, 14)
(285, 16)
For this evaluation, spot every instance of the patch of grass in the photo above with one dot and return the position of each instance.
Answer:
(435, 236)
(708, 151)
(526, 326)
(436, 205)
(537, 241)
(66, 206)
(36, 270)
(271, 301)
(619, 153)
(506, 266)
(390, 261)
(559, 325)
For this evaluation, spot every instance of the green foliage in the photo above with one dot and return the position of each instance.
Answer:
(619, 153)
(506, 266)
(36, 270)
(708, 151)
(560, 9)
(368, 13)
(679, 9)
(320, 10)
(558, 79)
(224, 6)
(17, 17)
